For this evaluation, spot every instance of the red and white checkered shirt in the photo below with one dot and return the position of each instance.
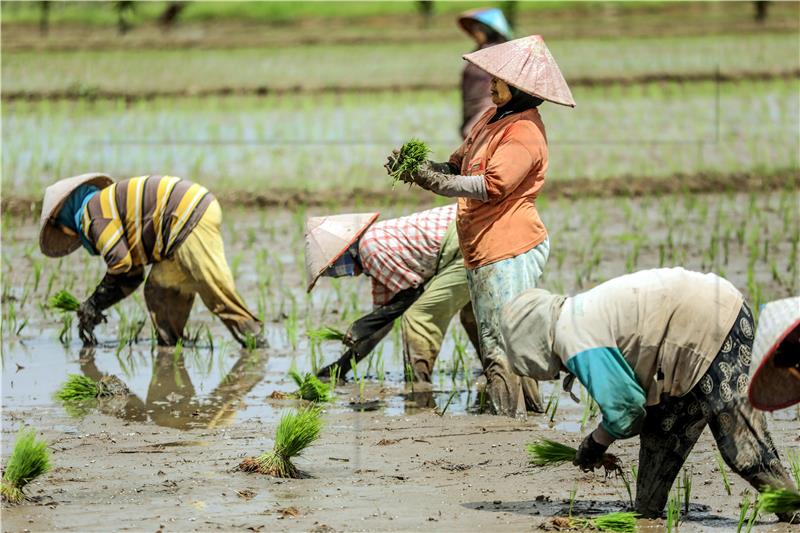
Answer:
(402, 252)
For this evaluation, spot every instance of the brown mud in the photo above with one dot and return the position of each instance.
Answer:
(92, 93)
(625, 186)
(436, 473)
(166, 456)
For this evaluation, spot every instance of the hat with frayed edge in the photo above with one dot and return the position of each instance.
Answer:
(528, 65)
(773, 387)
(52, 241)
(327, 238)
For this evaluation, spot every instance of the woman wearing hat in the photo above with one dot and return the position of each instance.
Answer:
(775, 379)
(417, 274)
(487, 26)
(664, 353)
(168, 222)
(497, 173)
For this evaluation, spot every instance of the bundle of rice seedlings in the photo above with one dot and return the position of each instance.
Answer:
(547, 452)
(64, 301)
(774, 500)
(296, 431)
(78, 388)
(550, 453)
(412, 155)
(310, 388)
(325, 333)
(29, 460)
(623, 522)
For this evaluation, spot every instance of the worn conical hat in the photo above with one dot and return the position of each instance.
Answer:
(52, 241)
(327, 238)
(526, 64)
(772, 387)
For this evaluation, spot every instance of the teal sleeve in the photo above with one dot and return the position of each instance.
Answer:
(612, 383)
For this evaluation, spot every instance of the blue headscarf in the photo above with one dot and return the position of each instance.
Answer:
(347, 265)
(71, 212)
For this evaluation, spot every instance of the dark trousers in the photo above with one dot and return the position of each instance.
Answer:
(719, 400)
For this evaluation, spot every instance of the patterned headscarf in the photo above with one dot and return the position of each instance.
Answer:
(347, 265)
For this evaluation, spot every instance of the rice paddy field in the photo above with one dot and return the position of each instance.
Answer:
(682, 151)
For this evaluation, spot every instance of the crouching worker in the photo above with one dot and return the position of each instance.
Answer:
(417, 272)
(664, 353)
(170, 223)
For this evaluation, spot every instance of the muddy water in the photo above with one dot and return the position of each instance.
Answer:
(388, 459)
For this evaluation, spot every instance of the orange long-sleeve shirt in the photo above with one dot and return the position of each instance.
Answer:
(512, 155)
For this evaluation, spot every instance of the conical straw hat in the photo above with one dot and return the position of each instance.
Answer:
(526, 64)
(773, 387)
(327, 238)
(52, 241)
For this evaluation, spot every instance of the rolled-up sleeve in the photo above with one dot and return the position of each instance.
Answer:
(612, 383)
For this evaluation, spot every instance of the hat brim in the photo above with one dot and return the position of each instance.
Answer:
(335, 258)
(772, 388)
(52, 241)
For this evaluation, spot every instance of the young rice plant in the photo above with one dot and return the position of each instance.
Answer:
(296, 431)
(310, 388)
(64, 301)
(412, 155)
(29, 460)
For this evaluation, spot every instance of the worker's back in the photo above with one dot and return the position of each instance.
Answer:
(668, 323)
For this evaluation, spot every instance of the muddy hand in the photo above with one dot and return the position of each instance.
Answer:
(89, 317)
(392, 161)
(590, 454)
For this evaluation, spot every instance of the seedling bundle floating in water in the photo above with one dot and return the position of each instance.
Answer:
(29, 460)
(78, 389)
(412, 155)
(296, 431)
(64, 301)
(310, 387)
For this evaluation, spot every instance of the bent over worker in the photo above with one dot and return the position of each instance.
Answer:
(664, 353)
(417, 273)
(168, 222)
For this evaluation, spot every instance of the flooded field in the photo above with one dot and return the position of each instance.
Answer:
(164, 458)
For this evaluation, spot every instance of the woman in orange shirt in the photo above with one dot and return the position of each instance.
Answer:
(497, 174)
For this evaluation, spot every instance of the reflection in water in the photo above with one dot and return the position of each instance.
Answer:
(171, 398)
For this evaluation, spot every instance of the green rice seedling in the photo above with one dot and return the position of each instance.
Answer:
(794, 466)
(744, 508)
(449, 401)
(64, 301)
(29, 460)
(547, 452)
(325, 333)
(572, 494)
(412, 154)
(723, 473)
(334, 377)
(65, 333)
(310, 388)
(296, 431)
(628, 487)
(772, 500)
(673, 512)
(687, 491)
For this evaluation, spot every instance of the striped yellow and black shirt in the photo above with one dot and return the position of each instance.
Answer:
(142, 220)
